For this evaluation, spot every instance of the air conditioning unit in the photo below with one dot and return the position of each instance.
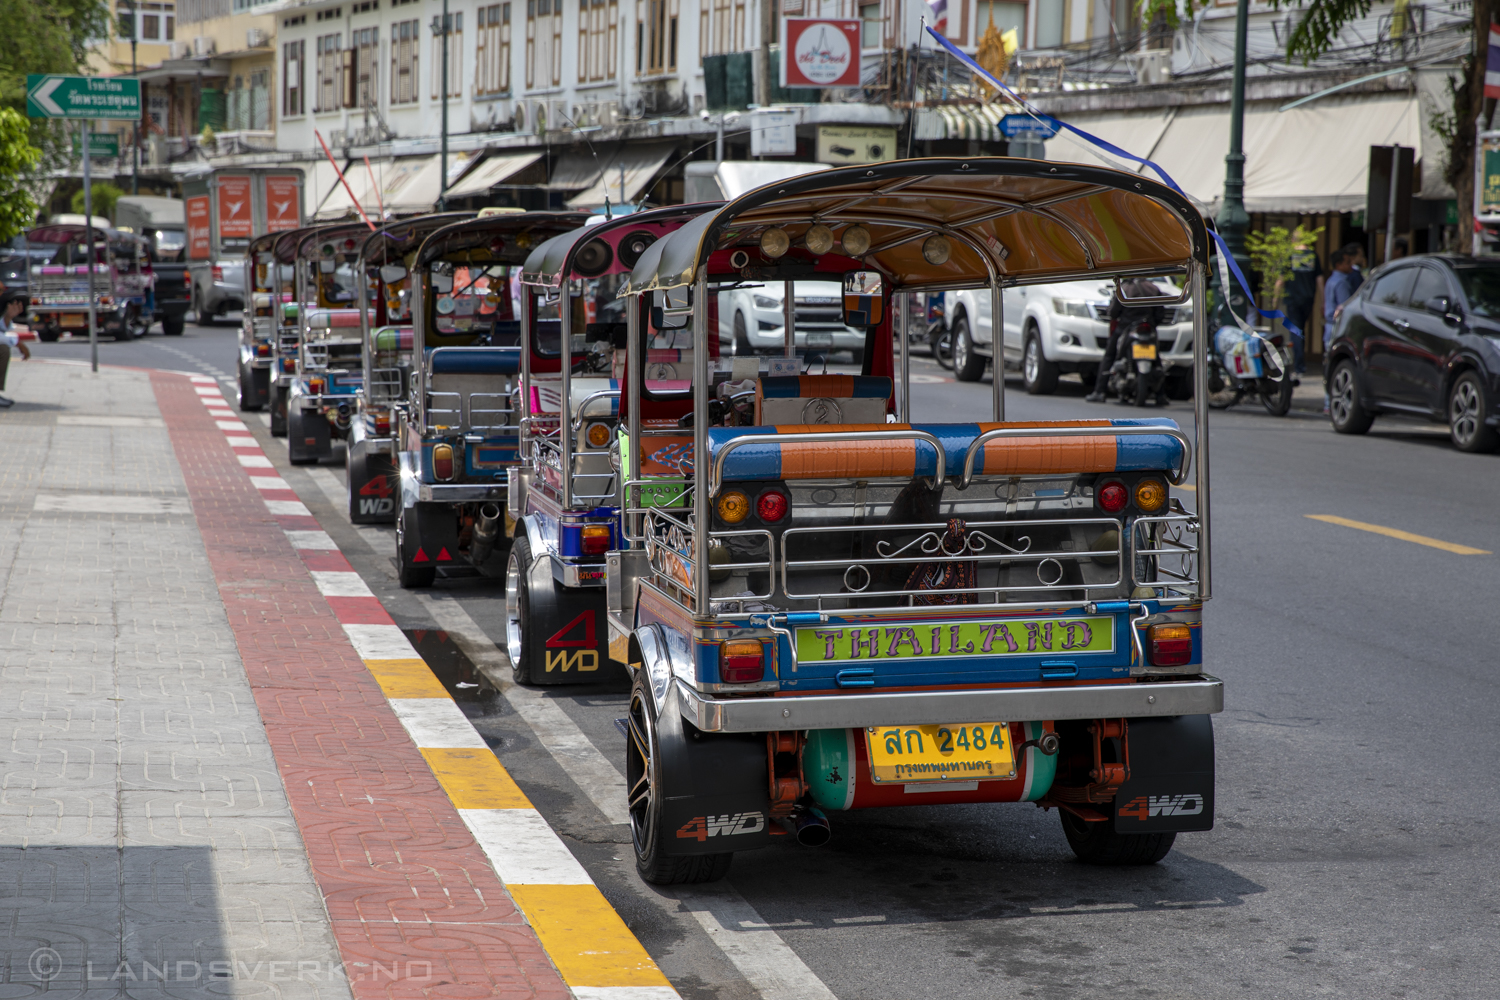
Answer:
(1152, 67)
(557, 115)
(609, 113)
(257, 38)
(203, 46)
(178, 50)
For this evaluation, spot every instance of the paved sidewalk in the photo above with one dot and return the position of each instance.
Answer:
(147, 847)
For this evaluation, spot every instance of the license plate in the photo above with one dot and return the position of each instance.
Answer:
(968, 752)
(74, 319)
(820, 340)
(1143, 352)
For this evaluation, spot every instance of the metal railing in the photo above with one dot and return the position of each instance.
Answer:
(472, 412)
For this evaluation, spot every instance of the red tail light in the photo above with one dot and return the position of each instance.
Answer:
(382, 424)
(742, 661)
(217, 273)
(772, 505)
(595, 539)
(1113, 497)
(442, 461)
(1171, 645)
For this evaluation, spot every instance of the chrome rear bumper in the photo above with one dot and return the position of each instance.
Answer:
(1199, 695)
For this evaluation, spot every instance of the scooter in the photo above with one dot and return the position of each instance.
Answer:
(1138, 373)
(1249, 363)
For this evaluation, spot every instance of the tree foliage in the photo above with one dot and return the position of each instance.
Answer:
(46, 37)
(18, 160)
(105, 195)
(1314, 34)
(1276, 253)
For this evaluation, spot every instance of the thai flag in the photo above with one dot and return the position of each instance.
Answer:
(1491, 65)
(939, 10)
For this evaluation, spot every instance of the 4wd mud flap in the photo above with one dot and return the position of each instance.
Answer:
(431, 538)
(372, 485)
(1171, 784)
(572, 627)
(717, 794)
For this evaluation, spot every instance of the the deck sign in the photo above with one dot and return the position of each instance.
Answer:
(821, 52)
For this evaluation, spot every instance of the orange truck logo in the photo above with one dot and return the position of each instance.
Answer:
(700, 828)
(1144, 807)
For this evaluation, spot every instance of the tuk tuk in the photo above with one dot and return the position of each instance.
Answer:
(328, 369)
(287, 319)
(457, 429)
(268, 297)
(850, 608)
(385, 328)
(568, 520)
(60, 289)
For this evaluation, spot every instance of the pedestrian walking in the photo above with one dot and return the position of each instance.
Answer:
(12, 304)
(1300, 294)
(1357, 263)
(1339, 288)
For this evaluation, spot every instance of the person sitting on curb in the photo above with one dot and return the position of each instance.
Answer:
(12, 304)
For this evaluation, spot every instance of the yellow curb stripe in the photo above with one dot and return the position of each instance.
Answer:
(1405, 536)
(475, 779)
(406, 679)
(585, 937)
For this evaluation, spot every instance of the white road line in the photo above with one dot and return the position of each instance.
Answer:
(580, 759)
(437, 723)
(625, 993)
(380, 642)
(231, 425)
(311, 540)
(255, 461)
(290, 508)
(522, 847)
(269, 483)
(340, 584)
(240, 441)
(767, 962)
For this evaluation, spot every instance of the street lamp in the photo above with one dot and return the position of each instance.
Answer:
(440, 28)
(1233, 220)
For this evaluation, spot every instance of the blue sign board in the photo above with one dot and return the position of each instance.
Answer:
(1025, 126)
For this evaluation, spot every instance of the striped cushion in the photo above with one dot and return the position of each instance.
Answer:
(333, 319)
(826, 386)
(852, 458)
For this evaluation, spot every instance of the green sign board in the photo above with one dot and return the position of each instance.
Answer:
(102, 145)
(49, 96)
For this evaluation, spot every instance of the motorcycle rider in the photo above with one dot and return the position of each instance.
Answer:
(1123, 319)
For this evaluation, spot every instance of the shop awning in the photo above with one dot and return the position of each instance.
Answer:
(496, 169)
(979, 122)
(627, 173)
(1308, 160)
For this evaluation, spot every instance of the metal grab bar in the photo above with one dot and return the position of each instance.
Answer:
(998, 433)
(597, 394)
(716, 476)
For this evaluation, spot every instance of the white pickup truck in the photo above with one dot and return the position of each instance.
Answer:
(1056, 329)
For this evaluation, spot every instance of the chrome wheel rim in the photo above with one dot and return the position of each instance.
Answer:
(1463, 412)
(1341, 399)
(513, 609)
(640, 773)
(1033, 363)
(961, 346)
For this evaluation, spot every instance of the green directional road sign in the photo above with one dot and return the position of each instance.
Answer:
(49, 96)
(102, 145)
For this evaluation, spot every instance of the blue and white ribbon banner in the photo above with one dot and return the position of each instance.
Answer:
(1226, 261)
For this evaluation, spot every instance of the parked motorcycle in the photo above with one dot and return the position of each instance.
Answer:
(1244, 364)
(1138, 373)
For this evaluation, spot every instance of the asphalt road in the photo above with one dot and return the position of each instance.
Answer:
(1353, 854)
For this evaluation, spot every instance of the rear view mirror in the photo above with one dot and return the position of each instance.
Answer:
(671, 309)
(1439, 305)
(864, 299)
(392, 273)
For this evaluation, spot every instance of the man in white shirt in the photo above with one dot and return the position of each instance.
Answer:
(12, 304)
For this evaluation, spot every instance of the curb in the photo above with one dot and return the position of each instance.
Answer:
(595, 953)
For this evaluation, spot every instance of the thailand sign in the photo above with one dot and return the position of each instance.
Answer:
(1000, 637)
(50, 96)
(821, 52)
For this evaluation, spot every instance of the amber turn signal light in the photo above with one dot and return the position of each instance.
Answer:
(742, 661)
(1171, 645)
(442, 461)
(733, 507)
(1150, 495)
(595, 539)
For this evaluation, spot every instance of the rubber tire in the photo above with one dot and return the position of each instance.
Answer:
(968, 365)
(1043, 382)
(410, 577)
(278, 410)
(742, 346)
(48, 334)
(519, 641)
(172, 327)
(1355, 419)
(1142, 388)
(1484, 438)
(1279, 402)
(941, 341)
(294, 434)
(1179, 385)
(1099, 844)
(645, 817)
(244, 406)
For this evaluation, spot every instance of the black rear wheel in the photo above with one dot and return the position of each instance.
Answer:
(518, 638)
(1468, 406)
(1346, 410)
(742, 348)
(942, 345)
(643, 788)
(1099, 844)
(968, 364)
(408, 575)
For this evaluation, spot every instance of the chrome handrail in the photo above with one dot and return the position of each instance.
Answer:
(997, 433)
(598, 394)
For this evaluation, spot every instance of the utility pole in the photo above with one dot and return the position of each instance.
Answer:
(442, 28)
(135, 129)
(763, 89)
(88, 231)
(1233, 220)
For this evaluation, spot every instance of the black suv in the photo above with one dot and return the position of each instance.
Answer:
(1422, 337)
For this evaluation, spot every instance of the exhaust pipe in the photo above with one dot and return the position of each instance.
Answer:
(811, 828)
(486, 533)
